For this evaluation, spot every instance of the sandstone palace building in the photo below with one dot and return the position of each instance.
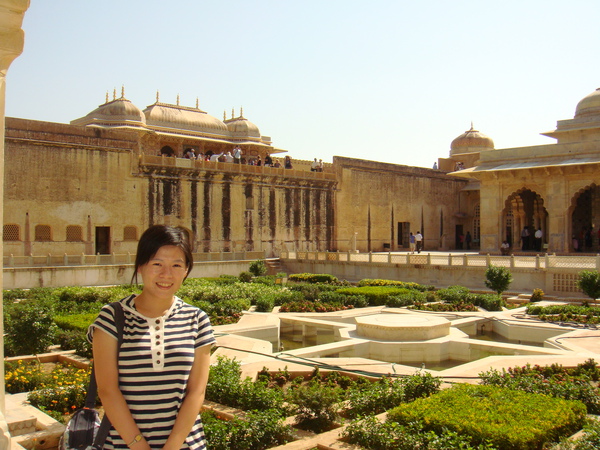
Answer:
(92, 186)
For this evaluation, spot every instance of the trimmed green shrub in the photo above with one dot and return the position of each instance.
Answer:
(268, 280)
(403, 284)
(405, 297)
(489, 302)
(569, 384)
(29, 329)
(259, 430)
(245, 277)
(265, 304)
(376, 295)
(589, 283)
(453, 294)
(311, 291)
(373, 434)
(315, 405)
(506, 418)
(498, 278)
(313, 278)
(335, 297)
(537, 295)
(375, 398)
(79, 322)
(75, 340)
(258, 267)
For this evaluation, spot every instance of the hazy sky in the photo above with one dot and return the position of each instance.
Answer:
(392, 81)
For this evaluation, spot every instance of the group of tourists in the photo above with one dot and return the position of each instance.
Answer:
(235, 156)
(584, 240)
(316, 166)
(531, 240)
(416, 242)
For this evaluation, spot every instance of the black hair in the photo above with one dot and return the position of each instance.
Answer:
(158, 236)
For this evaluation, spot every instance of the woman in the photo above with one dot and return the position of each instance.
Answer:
(154, 393)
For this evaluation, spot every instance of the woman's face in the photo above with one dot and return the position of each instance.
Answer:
(163, 274)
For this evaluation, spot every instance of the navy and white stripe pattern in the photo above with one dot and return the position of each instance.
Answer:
(154, 365)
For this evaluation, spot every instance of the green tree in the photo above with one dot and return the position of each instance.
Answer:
(497, 278)
(258, 267)
(589, 283)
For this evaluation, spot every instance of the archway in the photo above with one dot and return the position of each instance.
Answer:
(524, 214)
(585, 217)
(167, 151)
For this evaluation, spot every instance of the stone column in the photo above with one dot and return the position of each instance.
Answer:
(11, 45)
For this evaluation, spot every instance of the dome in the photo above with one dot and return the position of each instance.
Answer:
(184, 118)
(471, 141)
(241, 127)
(118, 112)
(589, 105)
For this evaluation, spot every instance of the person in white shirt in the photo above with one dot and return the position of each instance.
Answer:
(215, 157)
(314, 165)
(237, 155)
(419, 241)
(538, 239)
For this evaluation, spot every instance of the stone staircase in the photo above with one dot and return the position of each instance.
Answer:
(273, 266)
(29, 427)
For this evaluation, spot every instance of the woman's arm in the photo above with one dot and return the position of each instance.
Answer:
(107, 377)
(194, 397)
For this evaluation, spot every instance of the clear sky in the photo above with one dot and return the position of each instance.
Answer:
(393, 81)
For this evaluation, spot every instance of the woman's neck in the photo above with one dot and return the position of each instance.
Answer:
(152, 307)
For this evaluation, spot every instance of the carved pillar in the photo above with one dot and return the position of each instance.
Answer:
(11, 46)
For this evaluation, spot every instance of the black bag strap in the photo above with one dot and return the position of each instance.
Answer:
(90, 399)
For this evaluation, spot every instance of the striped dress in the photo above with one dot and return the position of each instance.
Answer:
(155, 360)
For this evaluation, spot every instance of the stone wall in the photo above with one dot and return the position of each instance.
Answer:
(382, 202)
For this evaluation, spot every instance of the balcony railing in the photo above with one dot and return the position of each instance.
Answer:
(116, 259)
(183, 163)
(452, 259)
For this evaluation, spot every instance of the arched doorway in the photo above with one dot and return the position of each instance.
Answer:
(585, 217)
(524, 214)
(167, 151)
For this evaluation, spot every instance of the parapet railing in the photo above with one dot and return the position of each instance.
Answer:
(452, 259)
(167, 161)
(117, 259)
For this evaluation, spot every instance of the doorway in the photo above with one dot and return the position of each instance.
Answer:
(403, 232)
(103, 240)
(459, 237)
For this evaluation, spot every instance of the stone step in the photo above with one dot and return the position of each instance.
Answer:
(20, 420)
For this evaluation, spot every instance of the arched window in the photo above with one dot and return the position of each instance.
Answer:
(130, 233)
(167, 151)
(43, 233)
(11, 232)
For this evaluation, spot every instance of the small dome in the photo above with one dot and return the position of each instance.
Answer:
(242, 127)
(118, 112)
(471, 141)
(181, 117)
(589, 105)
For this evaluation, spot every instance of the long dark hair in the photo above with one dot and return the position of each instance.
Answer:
(158, 236)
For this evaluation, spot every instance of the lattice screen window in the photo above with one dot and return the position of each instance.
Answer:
(43, 233)
(130, 234)
(565, 282)
(11, 232)
(74, 233)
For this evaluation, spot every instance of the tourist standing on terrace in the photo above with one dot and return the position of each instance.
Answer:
(287, 162)
(411, 242)
(237, 155)
(314, 165)
(153, 387)
(419, 241)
